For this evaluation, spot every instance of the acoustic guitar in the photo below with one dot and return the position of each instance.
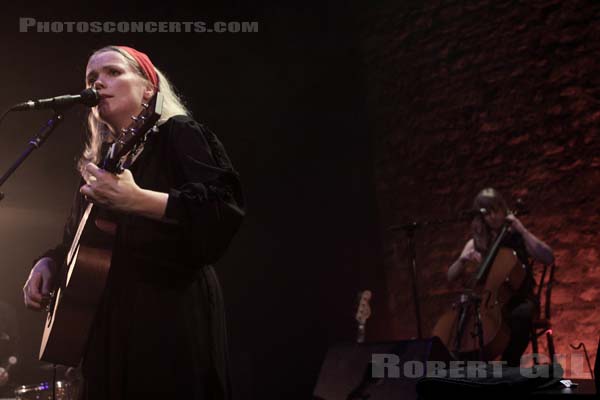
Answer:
(72, 308)
(362, 314)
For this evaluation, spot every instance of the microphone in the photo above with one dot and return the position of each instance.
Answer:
(474, 213)
(88, 97)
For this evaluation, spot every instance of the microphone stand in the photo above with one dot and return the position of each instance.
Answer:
(33, 144)
(410, 229)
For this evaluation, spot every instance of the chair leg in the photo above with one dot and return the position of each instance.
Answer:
(550, 340)
(534, 345)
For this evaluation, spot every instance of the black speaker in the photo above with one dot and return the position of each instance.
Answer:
(377, 371)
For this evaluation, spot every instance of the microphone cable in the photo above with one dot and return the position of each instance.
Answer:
(4, 114)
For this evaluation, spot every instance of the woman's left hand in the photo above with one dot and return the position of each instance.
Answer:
(117, 192)
(3, 376)
(515, 223)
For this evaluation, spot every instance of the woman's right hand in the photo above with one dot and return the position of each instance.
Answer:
(36, 291)
(469, 253)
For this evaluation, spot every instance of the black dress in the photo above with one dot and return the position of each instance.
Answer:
(160, 329)
(523, 307)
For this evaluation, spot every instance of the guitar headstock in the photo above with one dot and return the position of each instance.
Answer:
(134, 133)
(364, 308)
(520, 208)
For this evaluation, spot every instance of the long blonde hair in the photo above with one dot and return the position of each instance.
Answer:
(98, 131)
(491, 200)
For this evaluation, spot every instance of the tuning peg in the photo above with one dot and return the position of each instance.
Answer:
(145, 105)
(133, 117)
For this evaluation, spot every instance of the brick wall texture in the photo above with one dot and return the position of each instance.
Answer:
(464, 95)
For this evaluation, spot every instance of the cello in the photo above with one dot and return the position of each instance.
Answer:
(476, 327)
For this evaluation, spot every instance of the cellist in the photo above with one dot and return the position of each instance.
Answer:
(485, 227)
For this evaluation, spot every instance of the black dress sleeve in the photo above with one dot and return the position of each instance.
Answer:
(208, 201)
(515, 241)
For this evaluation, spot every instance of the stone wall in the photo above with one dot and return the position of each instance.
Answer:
(464, 95)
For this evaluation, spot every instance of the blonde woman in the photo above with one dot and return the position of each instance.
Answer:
(159, 330)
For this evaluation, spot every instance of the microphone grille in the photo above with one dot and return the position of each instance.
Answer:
(90, 97)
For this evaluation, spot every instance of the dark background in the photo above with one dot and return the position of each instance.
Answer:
(288, 103)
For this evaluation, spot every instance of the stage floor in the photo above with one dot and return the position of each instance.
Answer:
(584, 389)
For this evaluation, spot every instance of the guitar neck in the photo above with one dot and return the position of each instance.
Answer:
(360, 333)
(362, 314)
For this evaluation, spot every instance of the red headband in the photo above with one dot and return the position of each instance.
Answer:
(144, 62)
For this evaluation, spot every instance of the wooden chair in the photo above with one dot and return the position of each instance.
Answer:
(543, 325)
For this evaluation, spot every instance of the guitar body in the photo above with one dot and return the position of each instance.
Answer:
(73, 307)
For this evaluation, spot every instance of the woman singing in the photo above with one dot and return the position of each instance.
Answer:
(159, 331)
